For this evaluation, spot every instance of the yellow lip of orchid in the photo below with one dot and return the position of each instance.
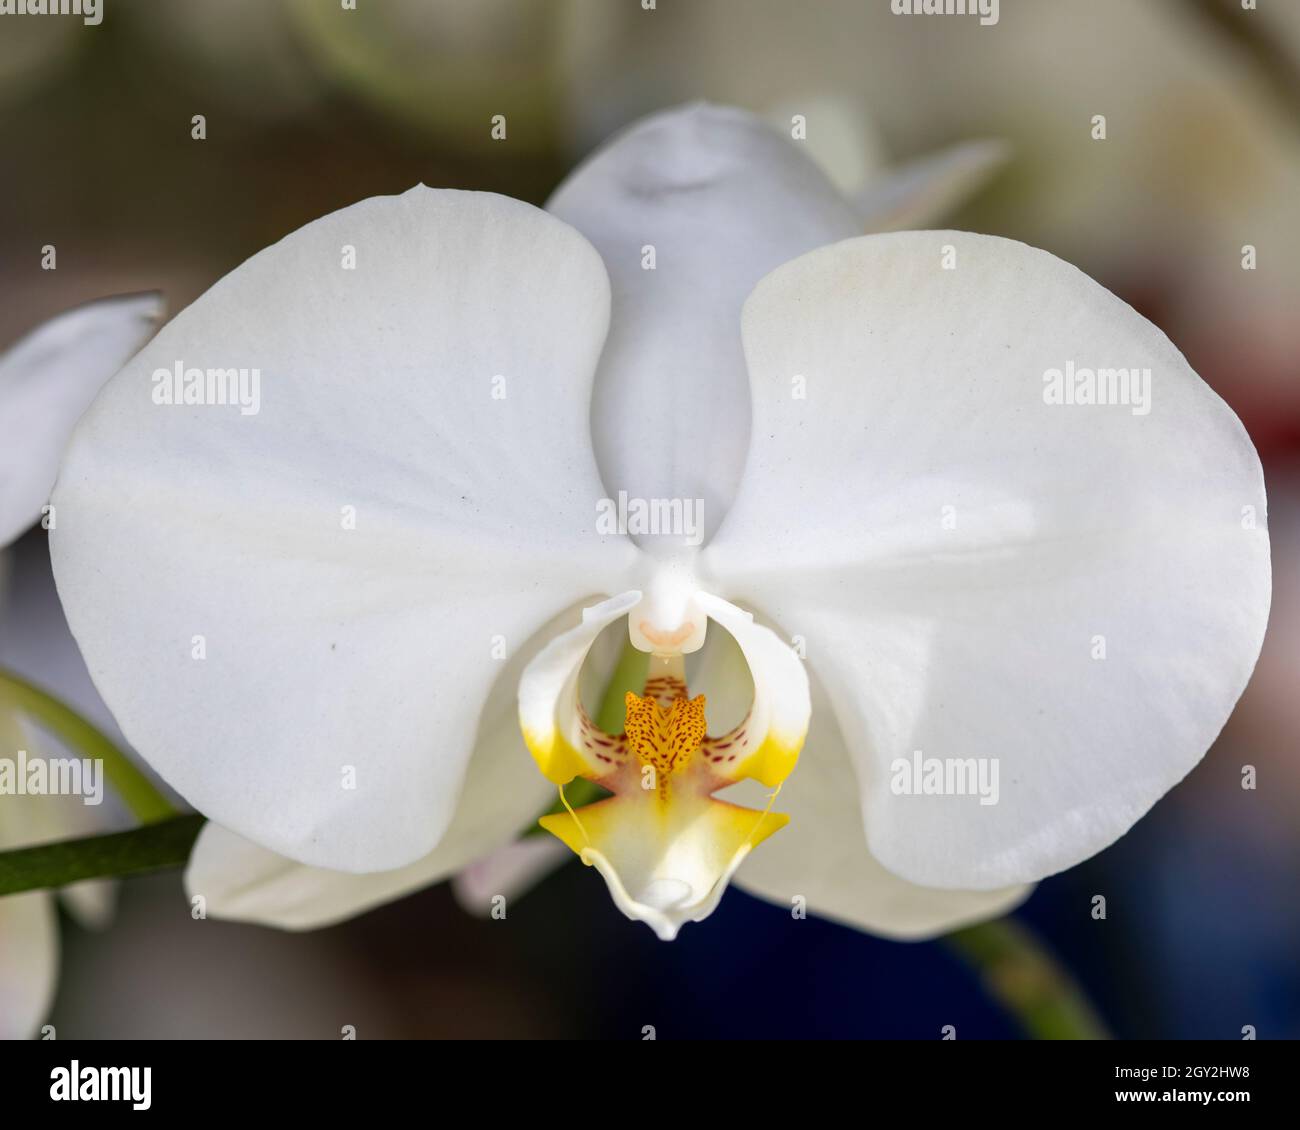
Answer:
(666, 847)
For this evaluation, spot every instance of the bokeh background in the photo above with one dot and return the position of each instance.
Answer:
(310, 107)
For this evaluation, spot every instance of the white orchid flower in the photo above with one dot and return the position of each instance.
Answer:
(318, 620)
(46, 381)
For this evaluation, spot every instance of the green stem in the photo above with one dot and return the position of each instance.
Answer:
(1017, 970)
(152, 847)
(144, 801)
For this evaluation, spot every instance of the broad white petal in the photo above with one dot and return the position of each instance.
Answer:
(922, 191)
(822, 858)
(348, 551)
(956, 551)
(47, 379)
(29, 962)
(720, 198)
(243, 882)
(502, 796)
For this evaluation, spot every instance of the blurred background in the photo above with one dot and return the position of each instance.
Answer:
(309, 107)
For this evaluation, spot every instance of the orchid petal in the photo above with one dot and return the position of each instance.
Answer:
(821, 864)
(47, 380)
(959, 551)
(922, 191)
(720, 198)
(245, 882)
(823, 859)
(838, 134)
(301, 616)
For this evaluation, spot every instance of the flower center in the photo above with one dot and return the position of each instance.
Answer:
(666, 847)
(664, 740)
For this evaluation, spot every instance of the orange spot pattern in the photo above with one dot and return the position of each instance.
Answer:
(664, 739)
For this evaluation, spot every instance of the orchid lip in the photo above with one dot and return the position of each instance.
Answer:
(665, 845)
(664, 905)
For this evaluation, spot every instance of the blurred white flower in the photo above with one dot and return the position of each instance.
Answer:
(46, 381)
(400, 542)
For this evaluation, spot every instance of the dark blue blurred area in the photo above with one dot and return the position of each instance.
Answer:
(1199, 940)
